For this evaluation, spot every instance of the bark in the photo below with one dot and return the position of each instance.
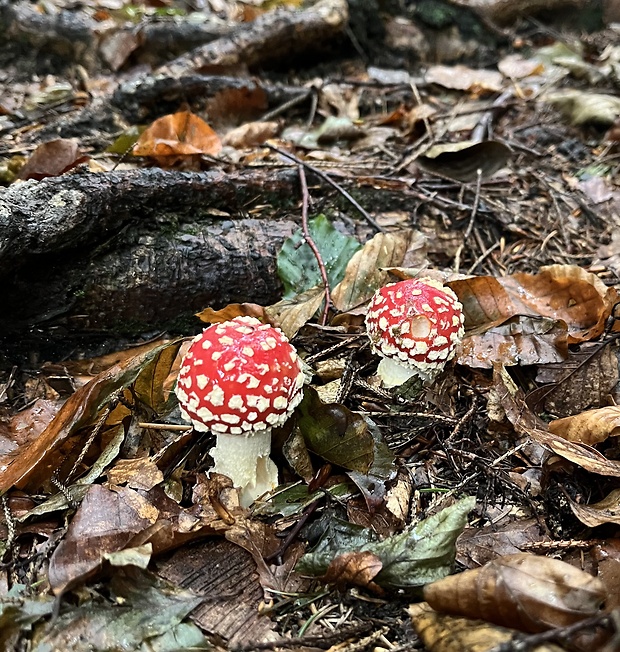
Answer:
(139, 249)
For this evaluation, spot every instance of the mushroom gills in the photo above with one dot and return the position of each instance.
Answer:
(245, 460)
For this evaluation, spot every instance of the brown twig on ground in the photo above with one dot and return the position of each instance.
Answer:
(310, 242)
(331, 182)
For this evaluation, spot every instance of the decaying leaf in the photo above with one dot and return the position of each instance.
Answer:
(590, 427)
(354, 569)
(444, 633)
(148, 610)
(52, 159)
(563, 293)
(585, 107)
(365, 272)
(466, 160)
(522, 591)
(291, 314)
(526, 423)
(177, 134)
(411, 559)
(604, 511)
(231, 311)
(335, 433)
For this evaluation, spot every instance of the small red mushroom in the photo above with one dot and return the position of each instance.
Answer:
(415, 325)
(240, 379)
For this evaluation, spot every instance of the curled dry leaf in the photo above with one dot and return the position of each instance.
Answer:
(565, 293)
(522, 591)
(442, 633)
(178, 134)
(590, 427)
(231, 311)
(605, 511)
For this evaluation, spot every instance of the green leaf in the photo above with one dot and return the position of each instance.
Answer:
(411, 559)
(335, 433)
(297, 265)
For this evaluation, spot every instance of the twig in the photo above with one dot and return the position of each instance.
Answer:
(294, 101)
(330, 181)
(310, 242)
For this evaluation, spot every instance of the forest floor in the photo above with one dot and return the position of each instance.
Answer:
(168, 164)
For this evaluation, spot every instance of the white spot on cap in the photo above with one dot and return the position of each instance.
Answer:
(261, 403)
(280, 402)
(236, 402)
(252, 416)
(202, 381)
(262, 369)
(440, 340)
(204, 413)
(216, 355)
(248, 350)
(253, 382)
(206, 344)
(226, 340)
(215, 396)
(219, 427)
(229, 366)
(273, 418)
(383, 323)
(233, 419)
(271, 342)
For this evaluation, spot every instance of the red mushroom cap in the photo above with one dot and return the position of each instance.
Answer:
(239, 376)
(417, 323)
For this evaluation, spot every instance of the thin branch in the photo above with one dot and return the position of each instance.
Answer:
(310, 242)
(330, 181)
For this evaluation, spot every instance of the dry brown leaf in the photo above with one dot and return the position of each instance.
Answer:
(585, 380)
(526, 423)
(605, 511)
(52, 159)
(590, 427)
(177, 134)
(231, 311)
(521, 591)
(364, 273)
(140, 473)
(251, 134)
(443, 633)
(291, 314)
(565, 293)
(465, 79)
(354, 569)
(234, 106)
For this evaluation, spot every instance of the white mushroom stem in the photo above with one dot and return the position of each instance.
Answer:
(245, 460)
(393, 374)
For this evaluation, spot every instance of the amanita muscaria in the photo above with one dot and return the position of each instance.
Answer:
(415, 325)
(239, 379)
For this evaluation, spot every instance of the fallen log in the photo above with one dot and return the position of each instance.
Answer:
(141, 249)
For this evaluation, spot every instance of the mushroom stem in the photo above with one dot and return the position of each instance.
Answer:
(245, 460)
(393, 374)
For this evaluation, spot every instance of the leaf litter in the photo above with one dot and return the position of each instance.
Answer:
(103, 483)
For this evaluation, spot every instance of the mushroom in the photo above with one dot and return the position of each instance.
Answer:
(415, 325)
(239, 379)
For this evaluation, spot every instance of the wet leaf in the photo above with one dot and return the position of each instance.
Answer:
(415, 557)
(590, 427)
(464, 161)
(334, 433)
(564, 293)
(604, 511)
(297, 265)
(52, 159)
(354, 569)
(146, 608)
(37, 462)
(364, 273)
(522, 591)
(443, 633)
(177, 134)
(465, 79)
(19, 611)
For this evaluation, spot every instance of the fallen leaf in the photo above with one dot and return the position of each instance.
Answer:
(515, 66)
(585, 107)
(354, 569)
(522, 591)
(178, 134)
(291, 314)
(443, 633)
(463, 78)
(590, 427)
(604, 511)
(251, 134)
(52, 159)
